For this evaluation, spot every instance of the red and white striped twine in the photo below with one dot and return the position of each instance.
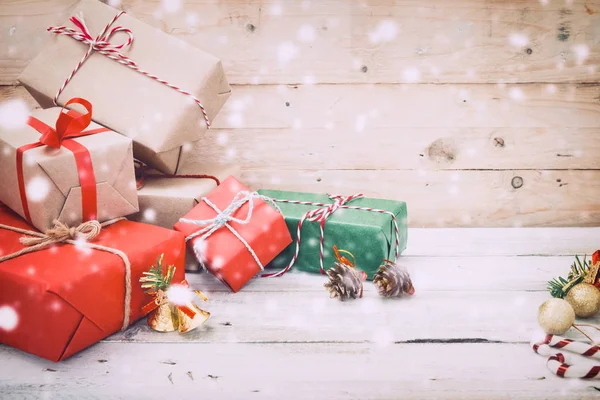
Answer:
(320, 215)
(557, 362)
(102, 45)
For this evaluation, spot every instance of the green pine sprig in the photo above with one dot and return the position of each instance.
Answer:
(559, 287)
(154, 280)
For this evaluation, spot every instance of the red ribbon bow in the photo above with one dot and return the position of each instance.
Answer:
(69, 125)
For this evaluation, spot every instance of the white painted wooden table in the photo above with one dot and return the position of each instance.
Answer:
(464, 334)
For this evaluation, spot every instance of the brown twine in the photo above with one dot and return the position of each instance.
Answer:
(61, 233)
(141, 172)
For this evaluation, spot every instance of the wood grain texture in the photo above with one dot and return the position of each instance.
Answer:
(542, 173)
(464, 335)
(336, 41)
(291, 371)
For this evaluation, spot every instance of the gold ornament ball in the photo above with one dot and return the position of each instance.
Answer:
(556, 316)
(585, 299)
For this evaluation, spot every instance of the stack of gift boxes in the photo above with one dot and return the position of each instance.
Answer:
(121, 102)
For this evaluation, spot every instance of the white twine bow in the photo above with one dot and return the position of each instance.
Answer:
(102, 45)
(223, 219)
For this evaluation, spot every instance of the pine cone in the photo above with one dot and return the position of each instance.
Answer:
(344, 282)
(392, 280)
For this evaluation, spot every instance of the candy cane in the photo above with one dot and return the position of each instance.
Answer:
(557, 362)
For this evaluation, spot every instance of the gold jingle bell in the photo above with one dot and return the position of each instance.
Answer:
(187, 323)
(163, 318)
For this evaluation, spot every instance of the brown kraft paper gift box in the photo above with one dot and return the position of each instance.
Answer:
(158, 118)
(51, 176)
(164, 200)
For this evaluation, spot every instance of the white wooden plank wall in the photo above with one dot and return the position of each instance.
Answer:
(477, 113)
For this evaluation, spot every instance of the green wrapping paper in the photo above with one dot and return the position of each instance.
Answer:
(369, 235)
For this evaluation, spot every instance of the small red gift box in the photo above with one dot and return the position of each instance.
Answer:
(66, 297)
(234, 233)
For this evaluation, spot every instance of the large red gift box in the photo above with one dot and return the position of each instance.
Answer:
(223, 253)
(64, 298)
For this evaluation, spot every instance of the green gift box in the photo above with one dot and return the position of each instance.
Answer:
(369, 233)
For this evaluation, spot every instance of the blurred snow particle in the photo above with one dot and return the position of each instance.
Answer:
(544, 2)
(37, 189)
(13, 114)
(308, 80)
(275, 9)
(386, 31)
(286, 52)
(383, 337)
(516, 94)
(231, 153)
(235, 119)
(12, 30)
(518, 39)
(307, 33)
(222, 138)
(114, 3)
(360, 122)
(582, 52)
(8, 318)
(171, 6)
(297, 124)
(551, 88)
(192, 20)
(149, 215)
(411, 75)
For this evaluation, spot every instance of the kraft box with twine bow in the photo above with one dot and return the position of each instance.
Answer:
(68, 288)
(146, 84)
(234, 233)
(372, 229)
(63, 166)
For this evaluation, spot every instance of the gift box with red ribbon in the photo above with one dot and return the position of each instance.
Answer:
(160, 91)
(61, 165)
(66, 289)
(234, 233)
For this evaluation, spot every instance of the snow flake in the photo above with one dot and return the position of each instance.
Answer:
(31, 271)
(9, 319)
(360, 122)
(306, 33)
(222, 138)
(275, 9)
(383, 337)
(386, 31)
(171, 6)
(329, 126)
(38, 189)
(218, 262)
(297, 124)
(235, 119)
(286, 52)
(582, 52)
(180, 295)
(411, 75)
(149, 215)
(55, 306)
(13, 114)
(516, 94)
(231, 153)
(518, 39)
(192, 20)
(308, 80)
(551, 88)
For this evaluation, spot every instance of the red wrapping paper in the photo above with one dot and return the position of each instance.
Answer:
(67, 298)
(225, 256)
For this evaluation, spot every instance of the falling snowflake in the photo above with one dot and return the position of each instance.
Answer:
(411, 75)
(235, 119)
(37, 189)
(306, 33)
(171, 6)
(9, 319)
(516, 94)
(582, 52)
(222, 138)
(386, 31)
(13, 114)
(149, 215)
(297, 124)
(275, 9)
(192, 20)
(383, 337)
(286, 52)
(360, 122)
(308, 80)
(518, 39)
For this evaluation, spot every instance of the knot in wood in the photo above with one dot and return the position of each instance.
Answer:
(517, 182)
